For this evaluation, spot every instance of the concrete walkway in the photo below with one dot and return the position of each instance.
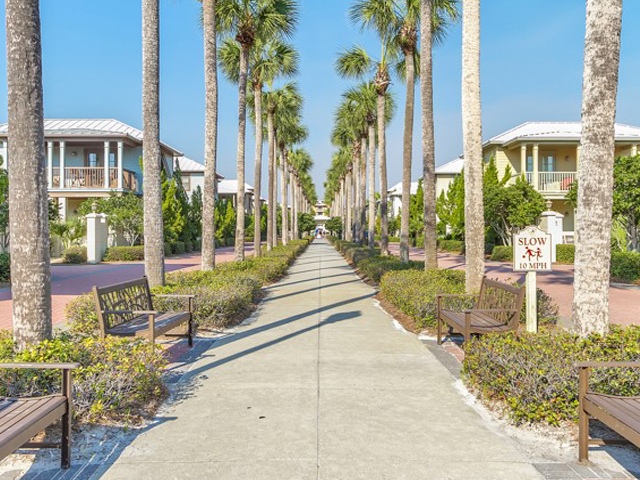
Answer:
(320, 385)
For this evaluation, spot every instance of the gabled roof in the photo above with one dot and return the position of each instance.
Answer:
(397, 189)
(88, 127)
(454, 167)
(230, 187)
(187, 165)
(557, 131)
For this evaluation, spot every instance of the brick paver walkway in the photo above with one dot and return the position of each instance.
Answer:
(69, 281)
(623, 300)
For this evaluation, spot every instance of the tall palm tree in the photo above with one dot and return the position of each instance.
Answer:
(28, 196)
(151, 156)
(246, 21)
(211, 134)
(595, 171)
(300, 163)
(268, 60)
(472, 138)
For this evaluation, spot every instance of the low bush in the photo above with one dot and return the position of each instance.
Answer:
(456, 246)
(178, 248)
(197, 245)
(625, 266)
(118, 379)
(375, 267)
(502, 254)
(5, 267)
(533, 375)
(124, 254)
(167, 249)
(75, 255)
(565, 253)
(188, 246)
(414, 292)
(548, 313)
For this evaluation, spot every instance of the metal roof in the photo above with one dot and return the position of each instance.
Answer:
(454, 167)
(397, 189)
(230, 187)
(91, 128)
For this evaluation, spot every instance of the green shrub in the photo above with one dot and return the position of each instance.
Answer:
(533, 375)
(488, 248)
(125, 254)
(625, 266)
(197, 245)
(5, 267)
(75, 255)
(451, 246)
(167, 249)
(547, 309)
(376, 266)
(188, 246)
(178, 248)
(414, 292)
(502, 254)
(565, 253)
(117, 379)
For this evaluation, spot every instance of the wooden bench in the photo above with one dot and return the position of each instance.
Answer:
(126, 310)
(621, 414)
(21, 419)
(497, 309)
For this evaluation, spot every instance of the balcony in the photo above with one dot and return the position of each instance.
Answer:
(552, 182)
(93, 178)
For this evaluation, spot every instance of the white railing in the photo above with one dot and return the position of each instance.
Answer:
(93, 177)
(553, 181)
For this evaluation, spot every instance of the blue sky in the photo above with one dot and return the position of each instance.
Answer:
(531, 70)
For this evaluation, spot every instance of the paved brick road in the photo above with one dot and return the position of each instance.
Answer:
(623, 300)
(69, 281)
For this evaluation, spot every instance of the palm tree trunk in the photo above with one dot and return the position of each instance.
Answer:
(294, 206)
(151, 155)
(270, 199)
(372, 185)
(343, 208)
(428, 139)
(406, 157)
(382, 158)
(285, 194)
(211, 135)
(595, 170)
(257, 188)
(242, 131)
(275, 193)
(28, 196)
(356, 200)
(472, 138)
(348, 202)
(363, 190)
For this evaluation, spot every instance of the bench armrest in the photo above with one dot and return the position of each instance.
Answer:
(607, 365)
(489, 310)
(174, 295)
(41, 366)
(453, 295)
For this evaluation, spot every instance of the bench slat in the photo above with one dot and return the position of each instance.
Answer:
(625, 409)
(139, 326)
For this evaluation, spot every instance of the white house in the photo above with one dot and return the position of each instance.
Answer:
(91, 158)
(394, 195)
(192, 173)
(228, 190)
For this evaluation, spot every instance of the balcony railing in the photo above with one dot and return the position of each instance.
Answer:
(93, 177)
(553, 181)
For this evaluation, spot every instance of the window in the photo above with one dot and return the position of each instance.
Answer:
(547, 162)
(112, 160)
(529, 163)
(92, 159)
(186, 182)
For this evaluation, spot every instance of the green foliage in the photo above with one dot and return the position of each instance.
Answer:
(534, 377)
(546, 307)
(414, 292)
(5, 267)
(75, 255)
(225, 220)
(374, 267)
(306, 222)
(502, 254)
(118, 379)
(178, 248)
(70, 232)
(335, 225)
(173, 217)
(450, 207)
(625, 266)
(124, 254)
(416, 215)
(456, 246)
(565, 253)
(125, 214)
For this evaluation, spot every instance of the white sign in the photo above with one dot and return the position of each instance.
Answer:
(532, 250)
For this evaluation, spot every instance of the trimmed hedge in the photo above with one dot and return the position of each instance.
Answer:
(75, 255)
(375, 267)
(5, 267)
(414, 292)
(625, 266)
(533, 377)
(178, 248)
(451, 246)
(502, 254)
(565, 253)
(124, 254)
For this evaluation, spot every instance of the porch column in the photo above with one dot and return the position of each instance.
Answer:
(50, 164)
(523, 160)
(105, 165)
(62, 158)
(578, 151)
(535, 166)
(120, 166)
(634, 150)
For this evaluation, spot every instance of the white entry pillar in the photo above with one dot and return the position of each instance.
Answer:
(120, 161)
(535, 166)
(634, 149)
(97, 237)
(105, 163)
(552, 223)
(50, 164)
(523, 160)
(62, 158)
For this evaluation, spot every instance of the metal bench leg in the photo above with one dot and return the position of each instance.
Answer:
(191, 331)
(467, 327)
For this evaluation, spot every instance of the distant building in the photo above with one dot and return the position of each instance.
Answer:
(394, 195)
(192, 173)
(228, 190)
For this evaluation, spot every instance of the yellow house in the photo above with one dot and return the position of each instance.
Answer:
(548, 154)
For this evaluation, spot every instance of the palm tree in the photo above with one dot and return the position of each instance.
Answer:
(211, 135)
(595, 171)
(246, 21)
(153, 227)
(28, 196)
(300, 162)
(269, 60)
(472, 138)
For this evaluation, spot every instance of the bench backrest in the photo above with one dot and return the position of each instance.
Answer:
(131, 295)
(494, 294)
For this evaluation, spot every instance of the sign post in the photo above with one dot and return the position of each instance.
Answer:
(532, 253)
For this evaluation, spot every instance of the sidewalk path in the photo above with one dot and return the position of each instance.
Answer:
(69, 281)
(623, 300)
(320, 385)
